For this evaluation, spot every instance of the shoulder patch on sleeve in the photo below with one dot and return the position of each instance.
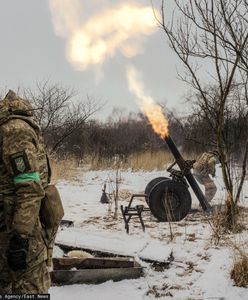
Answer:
(19, 162)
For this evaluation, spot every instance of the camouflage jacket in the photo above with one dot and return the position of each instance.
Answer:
(205, 164)
(24, 173)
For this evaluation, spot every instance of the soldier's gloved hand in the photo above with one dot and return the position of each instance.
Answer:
(17, 253)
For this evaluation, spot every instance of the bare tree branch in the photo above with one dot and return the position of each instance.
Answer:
(58, 111)
(211, 40)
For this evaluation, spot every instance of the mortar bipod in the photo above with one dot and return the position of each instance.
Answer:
(178, 175)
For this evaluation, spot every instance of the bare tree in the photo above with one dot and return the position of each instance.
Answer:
(210, 37)
(58, 112)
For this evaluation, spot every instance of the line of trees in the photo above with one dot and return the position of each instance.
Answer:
(69, 127)
(133, 134)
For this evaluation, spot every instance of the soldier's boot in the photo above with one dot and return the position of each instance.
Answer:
(35, 280)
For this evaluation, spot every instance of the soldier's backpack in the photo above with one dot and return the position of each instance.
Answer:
(51, 211)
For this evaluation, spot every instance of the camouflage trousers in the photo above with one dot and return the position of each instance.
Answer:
(33, 280)
(210, 187)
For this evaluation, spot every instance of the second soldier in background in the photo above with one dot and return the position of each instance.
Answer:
(204, 166)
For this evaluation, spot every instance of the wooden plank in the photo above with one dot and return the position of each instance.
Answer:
(67, 277)
(67, 263)
(143, 256)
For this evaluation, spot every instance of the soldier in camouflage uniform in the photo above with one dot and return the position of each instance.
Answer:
(24, 174)
(203, 167)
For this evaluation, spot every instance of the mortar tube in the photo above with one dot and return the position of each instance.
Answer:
(190, 178)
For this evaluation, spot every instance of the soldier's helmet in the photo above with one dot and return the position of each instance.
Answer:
(14, 104)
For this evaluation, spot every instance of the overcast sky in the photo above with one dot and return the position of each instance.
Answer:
(32, 51)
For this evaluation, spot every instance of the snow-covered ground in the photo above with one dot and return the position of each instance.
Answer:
(198, 268)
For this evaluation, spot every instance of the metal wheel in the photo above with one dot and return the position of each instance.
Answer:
(151, 184)
(169, 200)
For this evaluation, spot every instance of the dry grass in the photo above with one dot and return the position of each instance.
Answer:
(98, 163)
(220, 224)
(62, 168)
(221, 234)
(216, 221)
(147, 161)
(239, 272)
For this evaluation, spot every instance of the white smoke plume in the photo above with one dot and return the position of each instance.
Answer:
(147, 104)
(93, 40)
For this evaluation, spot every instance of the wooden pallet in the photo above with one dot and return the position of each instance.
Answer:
(93, 270)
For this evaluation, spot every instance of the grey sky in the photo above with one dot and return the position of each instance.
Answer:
(30, 51)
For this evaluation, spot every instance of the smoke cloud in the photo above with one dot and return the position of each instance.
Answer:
(91, 41)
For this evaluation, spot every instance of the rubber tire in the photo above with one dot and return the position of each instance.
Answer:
(151, 184)
(180, 196)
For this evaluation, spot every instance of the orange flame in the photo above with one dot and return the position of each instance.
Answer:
(119, 28)
(148, 106)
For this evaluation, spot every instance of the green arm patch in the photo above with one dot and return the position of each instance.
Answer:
(27, 177)
(20, 163)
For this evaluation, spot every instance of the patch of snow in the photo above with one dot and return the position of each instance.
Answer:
(197, 270)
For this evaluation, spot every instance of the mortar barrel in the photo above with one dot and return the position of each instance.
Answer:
(190, 178)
